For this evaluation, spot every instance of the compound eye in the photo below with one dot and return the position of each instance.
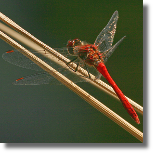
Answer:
(70, 43)
(76, 42)
(70, 47)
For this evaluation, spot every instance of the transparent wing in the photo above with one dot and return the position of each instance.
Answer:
(45, 78)
(109, 52)
(35, 79)
(16, 58)
(105, 38)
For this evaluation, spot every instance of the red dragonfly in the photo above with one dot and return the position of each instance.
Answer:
(94, 55)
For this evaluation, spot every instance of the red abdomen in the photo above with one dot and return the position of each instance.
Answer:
(103, 70)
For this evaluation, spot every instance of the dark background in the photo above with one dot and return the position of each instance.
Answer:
(54, 113)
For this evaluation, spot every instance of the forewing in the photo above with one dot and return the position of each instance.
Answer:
(16, 58)
(104, 40)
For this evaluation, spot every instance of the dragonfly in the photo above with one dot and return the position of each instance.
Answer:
(97, 54)
(92, 55)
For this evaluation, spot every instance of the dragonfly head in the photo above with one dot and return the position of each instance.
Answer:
(71, 45)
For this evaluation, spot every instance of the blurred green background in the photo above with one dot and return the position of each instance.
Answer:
(54, 113)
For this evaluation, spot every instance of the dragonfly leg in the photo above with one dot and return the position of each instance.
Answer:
(87, 70)
(71, 62)
(77, 66)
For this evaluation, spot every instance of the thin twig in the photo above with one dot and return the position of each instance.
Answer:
(91, 100)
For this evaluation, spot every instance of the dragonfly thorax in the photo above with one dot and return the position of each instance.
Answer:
(90, 54)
